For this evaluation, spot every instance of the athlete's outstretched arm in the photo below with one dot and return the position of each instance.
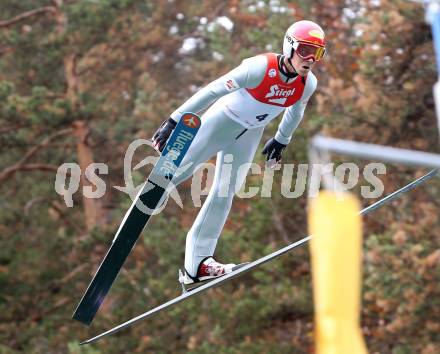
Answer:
(248, 74)
(294, 114)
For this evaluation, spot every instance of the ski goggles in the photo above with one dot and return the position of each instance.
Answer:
(308, 51)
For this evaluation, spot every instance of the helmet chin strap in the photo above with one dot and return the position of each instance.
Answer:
(286, 71)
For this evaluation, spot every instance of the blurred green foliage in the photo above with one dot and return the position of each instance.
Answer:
(129, 75)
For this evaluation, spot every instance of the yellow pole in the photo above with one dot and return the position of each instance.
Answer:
(335, 224)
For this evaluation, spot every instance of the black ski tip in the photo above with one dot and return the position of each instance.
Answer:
(89, 305)
(85, 320)
(85, 342)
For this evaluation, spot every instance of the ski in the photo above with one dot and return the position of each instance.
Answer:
(250, 266)
(138, 216)
(199, 289)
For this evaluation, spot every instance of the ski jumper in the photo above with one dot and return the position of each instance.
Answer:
(242, 102)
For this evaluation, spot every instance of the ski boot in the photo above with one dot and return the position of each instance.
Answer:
(209, 269)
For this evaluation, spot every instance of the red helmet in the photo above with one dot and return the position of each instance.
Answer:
(306, 38)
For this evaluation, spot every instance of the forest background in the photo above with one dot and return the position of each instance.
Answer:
(81, 79)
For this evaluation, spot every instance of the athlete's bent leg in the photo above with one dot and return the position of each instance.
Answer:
(203, 236)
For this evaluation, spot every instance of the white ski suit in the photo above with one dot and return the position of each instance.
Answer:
(243, 102)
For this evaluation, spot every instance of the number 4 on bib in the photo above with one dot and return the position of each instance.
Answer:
(262, 117)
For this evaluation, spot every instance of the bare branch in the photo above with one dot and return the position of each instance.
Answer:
(9, 171)
(66, 220)
(87, 69)
(4, 130)
(72, 274)
(53, 205)
(47, 311)
(21, 166)
(43, 144)
(30, 204)
(26, 15)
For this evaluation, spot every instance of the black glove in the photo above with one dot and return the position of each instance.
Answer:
(273, 149)
(162, 134)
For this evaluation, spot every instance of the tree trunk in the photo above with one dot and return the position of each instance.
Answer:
(93, 210)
